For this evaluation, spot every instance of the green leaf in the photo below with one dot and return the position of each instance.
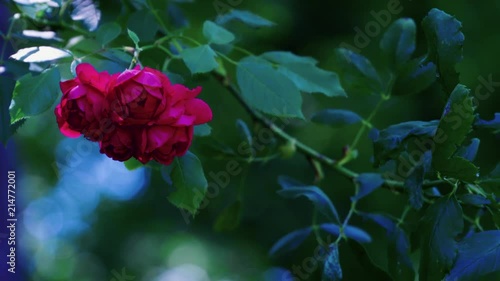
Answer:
(40, 54)
(245, 17)
(311, 79)
(336, 118)
(35, 94)
(282, 57)
(267, 90)
(17, 125)
(200, 59)
(350, 231)
(287, 182)
(356, 72)
(474, 200)
(391, 141)
(144, 24)
(469, 152)
(290, 242)
(332, 270)
(305, 74)
(132, 164)
(454, 126)
(368, 182)
(6, 89)
(189, 180)
(445, 43)
(87, 12)
(413, 184)
(398, 42)
(108, 32)
(317, 197)
(229, 219)
(478, 255)
(216, 34)
(414, 77)
(493, 124)
(443, 222)
(134, 37)
(399, 265)
(202, 130)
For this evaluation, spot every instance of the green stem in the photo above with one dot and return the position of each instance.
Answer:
(352, 210)
(303, 148)
(366, 124)
(163, 25)
(245, 51)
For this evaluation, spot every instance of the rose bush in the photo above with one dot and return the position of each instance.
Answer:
(137, 113)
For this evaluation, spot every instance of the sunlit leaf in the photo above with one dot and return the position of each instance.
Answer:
(87, 12)
(40, 54)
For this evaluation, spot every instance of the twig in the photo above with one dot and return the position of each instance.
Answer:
(306, 150)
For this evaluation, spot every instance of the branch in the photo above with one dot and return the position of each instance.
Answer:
(307, 150)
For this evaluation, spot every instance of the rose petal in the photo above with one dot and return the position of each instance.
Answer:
(86, 72)
(77, 92)
(158, 136)
(65, 130)
(200, 110)
(67, 85)
(148, 79)
(184, 121)
(126, 75)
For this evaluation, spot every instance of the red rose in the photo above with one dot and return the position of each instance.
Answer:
(83, 104)
(138, 113)
(119, 144)
(163, 143)
(138, 97)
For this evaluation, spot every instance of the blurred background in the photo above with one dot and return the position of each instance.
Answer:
(86, 217)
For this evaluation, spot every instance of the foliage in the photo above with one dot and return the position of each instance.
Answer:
(429, 164)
